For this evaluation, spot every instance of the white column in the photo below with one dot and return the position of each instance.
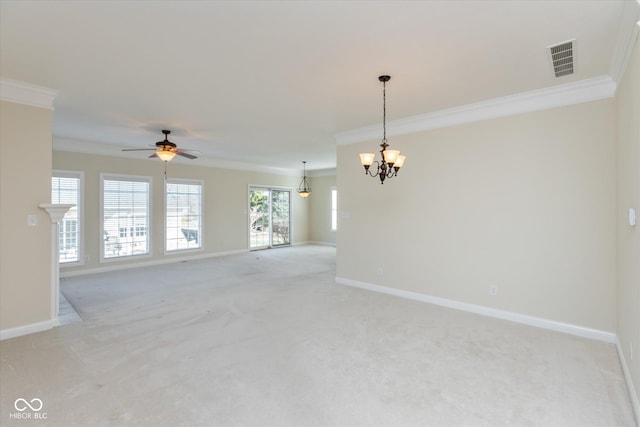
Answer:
(56, 213)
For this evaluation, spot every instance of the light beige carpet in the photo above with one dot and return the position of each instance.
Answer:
(267, 339)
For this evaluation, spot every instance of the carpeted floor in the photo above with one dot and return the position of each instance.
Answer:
(267, 339)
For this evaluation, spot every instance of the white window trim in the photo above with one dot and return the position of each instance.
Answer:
(122, 177)
(59, 173)
(164, 227)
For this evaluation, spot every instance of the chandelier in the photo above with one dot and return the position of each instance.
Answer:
(304, 189)
(391, 161)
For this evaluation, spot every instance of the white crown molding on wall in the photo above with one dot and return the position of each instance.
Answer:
(321, 172)
(26, 94)
(88, 147)
(627, 38)
(538, 322)
(556, 96)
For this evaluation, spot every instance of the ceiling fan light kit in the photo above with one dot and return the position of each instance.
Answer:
(165, 154)
(165, 150)
(392, 160)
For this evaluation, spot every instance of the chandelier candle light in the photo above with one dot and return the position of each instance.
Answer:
(391, 161)
(304, 189)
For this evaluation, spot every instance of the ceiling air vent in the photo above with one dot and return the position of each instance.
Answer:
(562, 58)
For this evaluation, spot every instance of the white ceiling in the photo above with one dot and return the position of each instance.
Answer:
(271, 83)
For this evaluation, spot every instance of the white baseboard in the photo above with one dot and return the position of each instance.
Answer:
(566, 328)
(316, 242)
(633, 395)
(32, 328)
(111, 267)
(166, 260)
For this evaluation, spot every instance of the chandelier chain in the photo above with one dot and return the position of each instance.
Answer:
(384, 111)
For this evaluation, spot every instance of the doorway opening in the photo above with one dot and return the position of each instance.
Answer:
(269, 217)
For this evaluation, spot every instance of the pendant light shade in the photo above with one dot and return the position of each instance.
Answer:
(304, 189)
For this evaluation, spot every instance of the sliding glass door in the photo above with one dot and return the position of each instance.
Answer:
(269, 217)
(280, 223)
(259, 218)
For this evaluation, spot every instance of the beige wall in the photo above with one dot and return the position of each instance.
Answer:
(225, 197)
(25, 181)
(525, 203)
(628, 114)
(320, 216)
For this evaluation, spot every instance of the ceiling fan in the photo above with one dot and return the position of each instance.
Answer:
(166, 150)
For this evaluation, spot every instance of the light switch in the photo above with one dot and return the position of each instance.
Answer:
(32, 220)
(632, 217)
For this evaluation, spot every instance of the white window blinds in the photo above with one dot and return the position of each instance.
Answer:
(125, 216)
(65, 190)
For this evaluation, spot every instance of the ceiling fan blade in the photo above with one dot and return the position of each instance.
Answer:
(138, 149)
(187, 155)
(153, 155)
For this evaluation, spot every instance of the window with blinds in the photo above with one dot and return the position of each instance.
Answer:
(125, 216)
(183, 215)
(66, 190)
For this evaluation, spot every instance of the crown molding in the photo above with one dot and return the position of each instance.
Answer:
(26, 94)
(321, 172)
(96, 148)
(72, 145)
(627, 37)
(249, 167)
(556, 96)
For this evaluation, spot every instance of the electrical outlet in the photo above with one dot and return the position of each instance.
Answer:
(380, 271)
(493, 290)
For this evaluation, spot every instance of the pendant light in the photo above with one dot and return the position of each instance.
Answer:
(304, 189)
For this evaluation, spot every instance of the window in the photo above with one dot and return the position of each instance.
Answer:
(334, 209)
(183, 215)
(66, 189)
(125, 216)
